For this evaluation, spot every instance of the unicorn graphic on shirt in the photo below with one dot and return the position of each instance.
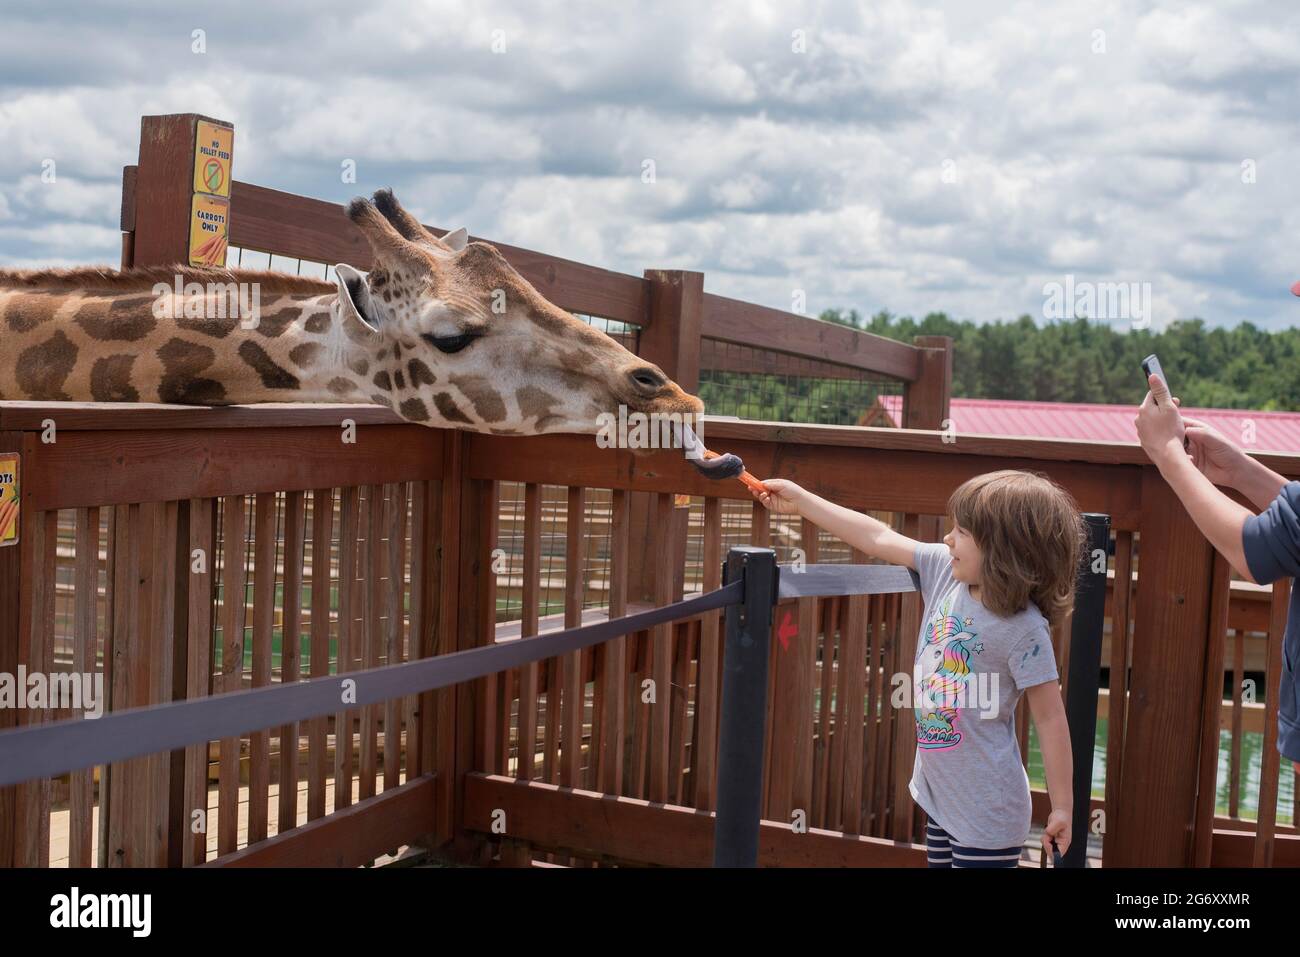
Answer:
(944, 657)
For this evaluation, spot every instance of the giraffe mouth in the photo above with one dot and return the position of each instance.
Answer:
(714, 467)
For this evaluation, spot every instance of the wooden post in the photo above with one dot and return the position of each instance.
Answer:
(164, 189)
(1152, 826)
(12, 587)
(671, 340)
(925, 400)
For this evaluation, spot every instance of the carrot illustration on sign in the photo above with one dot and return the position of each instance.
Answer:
(8, 517)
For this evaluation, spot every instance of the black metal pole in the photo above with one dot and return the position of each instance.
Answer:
(744, 705)
(1085, 679)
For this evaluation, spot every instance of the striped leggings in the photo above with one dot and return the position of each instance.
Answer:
(943, 851)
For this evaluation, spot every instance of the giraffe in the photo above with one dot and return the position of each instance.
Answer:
(441, 330)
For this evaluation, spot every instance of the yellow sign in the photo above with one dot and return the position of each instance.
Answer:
(8, 498)
(209, 227)
(212, 151)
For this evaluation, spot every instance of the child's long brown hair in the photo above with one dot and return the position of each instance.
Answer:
(1031, 539)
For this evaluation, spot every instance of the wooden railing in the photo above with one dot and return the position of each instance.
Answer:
(139, 488)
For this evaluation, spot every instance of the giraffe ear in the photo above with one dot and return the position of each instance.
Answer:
(456, 239)
(356, 306)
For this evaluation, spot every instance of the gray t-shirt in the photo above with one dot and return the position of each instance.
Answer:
(971, 667)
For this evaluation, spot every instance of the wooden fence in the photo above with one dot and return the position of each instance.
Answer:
(386, 552)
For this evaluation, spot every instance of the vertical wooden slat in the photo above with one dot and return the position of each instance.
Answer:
(705, 760)
(1270, 759)
(115, 554)
(36, 654)
(823, 673)
(528, 627)
(290, 654)
(372, 605)
(887, 768)
(487, 688)
(81, 783)
(661, 650)
(760, 536)
(198, 672)
(126, 587)
(904, 725)
(259, 770)
(846, 753)
(1117, 691)
(322, 534)
(349, 639)
(573, 689)
(1211, 709)
(234, 579)
(395, 632)
(421, 621)
(1234, 758)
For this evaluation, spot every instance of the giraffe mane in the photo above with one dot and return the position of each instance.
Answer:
(104, 278)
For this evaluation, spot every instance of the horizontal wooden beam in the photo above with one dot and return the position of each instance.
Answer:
(119, 468)
(143, 416)
(1236, 848)
(629, 829)
(745, 323)
(351, 837)
(862, 472)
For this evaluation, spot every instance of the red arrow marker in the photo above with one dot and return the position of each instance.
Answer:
(786, 631)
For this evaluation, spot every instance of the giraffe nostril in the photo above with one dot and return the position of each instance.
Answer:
(647, 377)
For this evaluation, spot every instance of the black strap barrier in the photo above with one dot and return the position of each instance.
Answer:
(1085, 680)
(816, 581)
(55, 748)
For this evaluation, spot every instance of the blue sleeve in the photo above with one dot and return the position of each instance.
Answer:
(1271, 539)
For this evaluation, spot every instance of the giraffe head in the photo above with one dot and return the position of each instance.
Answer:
(449, 333)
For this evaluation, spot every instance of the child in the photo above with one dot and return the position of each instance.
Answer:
(1011, 558)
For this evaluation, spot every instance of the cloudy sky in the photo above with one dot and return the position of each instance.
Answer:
(885, 155)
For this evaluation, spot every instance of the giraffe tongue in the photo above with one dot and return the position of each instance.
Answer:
(709, 464)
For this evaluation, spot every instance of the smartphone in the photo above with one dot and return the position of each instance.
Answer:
(1151, 366)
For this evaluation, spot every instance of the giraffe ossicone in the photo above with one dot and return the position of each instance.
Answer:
(443, 331)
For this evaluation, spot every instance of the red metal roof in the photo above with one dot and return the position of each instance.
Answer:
(1273, 431)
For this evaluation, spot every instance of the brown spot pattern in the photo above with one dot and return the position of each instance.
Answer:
(110, 379)
(42, 369)
(450, 411)
(272, 375)
(304, 354)
(340, 386)
(487, 401)
(181, 383)
(383, 381)
(413, 410)
(420, 373)
(122, 320)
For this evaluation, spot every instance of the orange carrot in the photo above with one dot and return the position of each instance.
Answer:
(744, 475)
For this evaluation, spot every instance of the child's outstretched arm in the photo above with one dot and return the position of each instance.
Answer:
(1053, 727)
(861, 531)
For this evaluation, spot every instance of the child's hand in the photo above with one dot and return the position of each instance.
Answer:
(782, 496)
(1058, 827)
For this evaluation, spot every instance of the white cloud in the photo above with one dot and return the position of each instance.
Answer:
(823, 170)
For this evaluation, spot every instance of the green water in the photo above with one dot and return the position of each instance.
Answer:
(1252, 750)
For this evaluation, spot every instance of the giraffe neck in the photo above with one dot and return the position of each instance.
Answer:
(196, 349)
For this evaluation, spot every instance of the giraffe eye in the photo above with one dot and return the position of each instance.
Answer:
(450, 344)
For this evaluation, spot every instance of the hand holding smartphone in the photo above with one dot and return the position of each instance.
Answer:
(1151, 366)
